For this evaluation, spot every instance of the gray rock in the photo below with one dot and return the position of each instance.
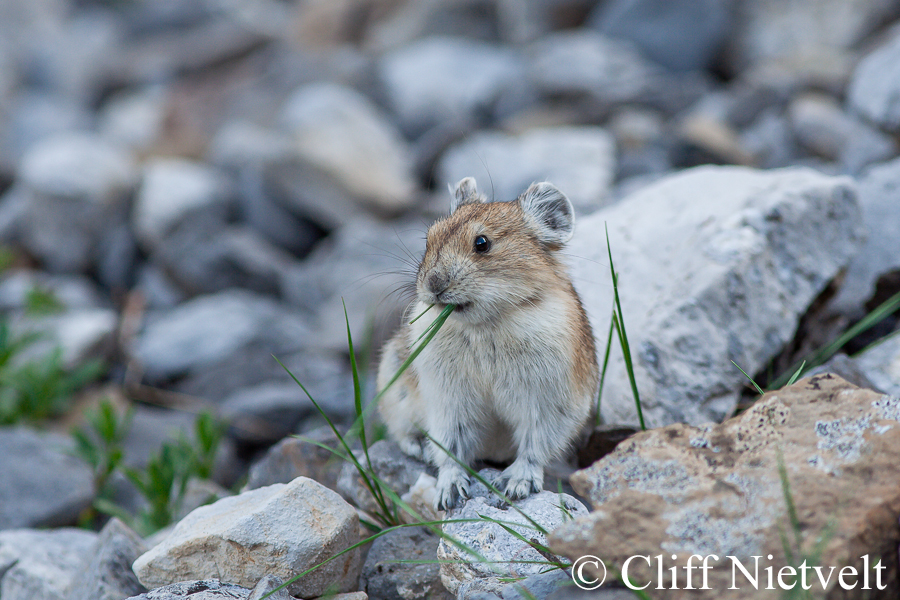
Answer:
(445, 79)
(367, 264)
(279, 530)
(77, 186)
(881, 216)
(394, 468)
(881, 365)
(827, 131)
(581, 161)
(80, 335)
(172, 191)
(44, 485)
(341, 132)
(42, 565)
(875, 86)
(553, 585)
(266, 586)
(599, 73)
(108, 576)
(206, 589)
(74, 292)
(293, 457)
(768, 29)
(135, 119)
(506, 555)
(33, 117)
(770, 140)
(254, 155)
(267, 412)
(683, 35)
(209, 329)
(385, 577)
(715, 264)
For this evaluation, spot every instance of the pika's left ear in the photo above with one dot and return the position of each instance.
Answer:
(550, 213)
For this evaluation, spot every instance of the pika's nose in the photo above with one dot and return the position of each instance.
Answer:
(437, 283)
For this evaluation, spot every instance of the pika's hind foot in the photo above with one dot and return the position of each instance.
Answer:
(521, 479)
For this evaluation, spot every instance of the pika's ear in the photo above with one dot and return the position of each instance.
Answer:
(465, 192)
(549, 212)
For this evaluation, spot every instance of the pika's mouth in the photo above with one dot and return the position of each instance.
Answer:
(459, 307)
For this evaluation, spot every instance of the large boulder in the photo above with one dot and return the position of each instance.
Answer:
(281, 530)
(805, 477)
(108, 575)
(715, 264)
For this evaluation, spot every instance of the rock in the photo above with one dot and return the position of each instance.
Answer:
(80, 335)
(293, 457)
(825, 130)
(209, 329)
(718, 490)
(708, 140)
(881, 365)
(875, 85)
(881, 217)
(280, 530)
(395, 469)
(420, 498)
(641, 142)
(765, 29)
(267, 412)
(341, 132)
(770, 140)
(77, 187)
(251, 153)
(761, 246)
(108, 576)
(553, 585)
(367, 264)
(172, 191)
(135, 119)
(581, 161)
(385, 577)
(681, 35)
(506, 555)
(846, 368)
(599, 74)
(207, 589)
(41, 565)
(44, 484)
(265, 587)
(73, 292)
(33, 117)
(444, 79)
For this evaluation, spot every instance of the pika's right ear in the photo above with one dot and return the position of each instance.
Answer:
(465, 192)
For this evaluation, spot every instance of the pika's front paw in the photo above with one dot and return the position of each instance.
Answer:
(412, 447)
(522, 479)
(452, 489)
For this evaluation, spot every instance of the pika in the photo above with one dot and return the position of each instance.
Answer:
(512, 373)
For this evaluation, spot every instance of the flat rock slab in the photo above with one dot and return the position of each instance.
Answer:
(206, 589)
(280, 530)
(715, 264)
(505, 555)
(42, 565)
(43, 484)
(716, 490)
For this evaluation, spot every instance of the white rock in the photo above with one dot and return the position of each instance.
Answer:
(342, 132)
(580, 161)
(881, 364)
(79, 334)
(445, 79)
(280, 530)
(503, 551)
(173, 188)
(41, 565)
(715, 264)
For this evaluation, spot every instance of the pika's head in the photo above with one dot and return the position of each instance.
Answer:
(491, 257)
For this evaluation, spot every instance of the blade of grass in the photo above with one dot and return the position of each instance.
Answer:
(421, 314)
(796, 374)
(609, 341)
(758, 389)
(619, 322)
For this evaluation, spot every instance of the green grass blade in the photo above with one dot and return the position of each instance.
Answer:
(357, 389)
(758, 389)
(619, 322)
(422, 314)
(609, 341)
(796, 374)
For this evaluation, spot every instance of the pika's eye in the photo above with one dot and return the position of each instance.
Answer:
(482, 244)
